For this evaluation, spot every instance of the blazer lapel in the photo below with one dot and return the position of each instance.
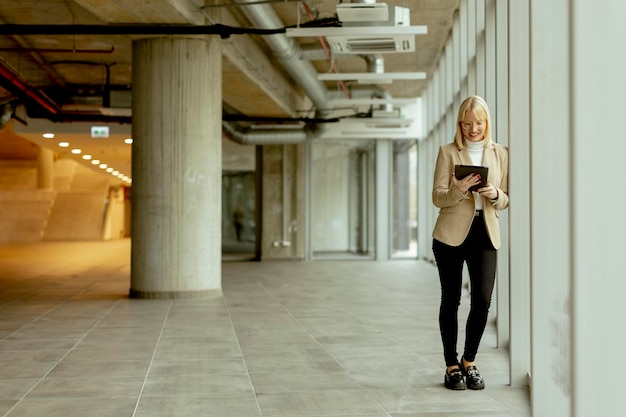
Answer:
(489, 156)
(490, 160)
(465, 157)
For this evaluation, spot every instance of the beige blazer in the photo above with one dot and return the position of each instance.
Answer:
(456, 210)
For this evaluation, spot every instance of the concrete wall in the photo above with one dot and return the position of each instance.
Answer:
(283, 216)
(331, 202)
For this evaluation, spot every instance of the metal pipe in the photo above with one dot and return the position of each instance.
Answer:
(150, 29)
(289, 54)
(60, 50)
(247, 136)
(14, 84)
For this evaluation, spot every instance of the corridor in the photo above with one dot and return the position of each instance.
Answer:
(288, 339)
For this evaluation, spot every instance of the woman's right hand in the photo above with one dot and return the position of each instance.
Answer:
(467, 182)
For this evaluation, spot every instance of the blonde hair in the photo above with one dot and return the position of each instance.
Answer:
(478, 106)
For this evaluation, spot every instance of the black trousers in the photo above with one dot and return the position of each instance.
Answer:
(481, 258)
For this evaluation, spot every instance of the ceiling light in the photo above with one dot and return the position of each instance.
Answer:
(103, 166)
(109, 169)
(116, 173)
(77, 151)
(48, 135)
(128, 140)
(64, 144)
(95, 162)
(87, 157)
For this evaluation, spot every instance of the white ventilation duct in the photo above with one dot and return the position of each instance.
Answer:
(287, 51)
(250, 136)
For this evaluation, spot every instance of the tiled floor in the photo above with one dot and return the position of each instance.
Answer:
(288, 339)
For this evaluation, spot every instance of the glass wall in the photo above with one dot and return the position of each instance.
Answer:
(342, 205)
(404, 238)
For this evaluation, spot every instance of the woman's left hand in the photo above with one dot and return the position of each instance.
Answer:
(489, 191)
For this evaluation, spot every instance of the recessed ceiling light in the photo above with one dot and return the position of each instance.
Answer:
(103, 166)
(109, 169)
(64, 144)
(77, 151)
(116, 173)
(48, 135)
(95, 162)
(128, 140)
(87, 157)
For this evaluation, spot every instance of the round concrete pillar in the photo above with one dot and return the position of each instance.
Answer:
(45, 168)
(177, 168)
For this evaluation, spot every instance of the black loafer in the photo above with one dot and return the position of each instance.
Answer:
(454, 379)
(474, 379)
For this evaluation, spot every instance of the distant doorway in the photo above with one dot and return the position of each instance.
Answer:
(238, 214)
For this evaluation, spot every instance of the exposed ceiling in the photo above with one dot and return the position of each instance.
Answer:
(52, 77)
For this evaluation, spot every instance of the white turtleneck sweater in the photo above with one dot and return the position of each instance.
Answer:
(476, 153)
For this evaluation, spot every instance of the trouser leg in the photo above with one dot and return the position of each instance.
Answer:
(450, 265)
(481, 264)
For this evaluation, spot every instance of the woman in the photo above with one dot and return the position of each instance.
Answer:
(467, 230)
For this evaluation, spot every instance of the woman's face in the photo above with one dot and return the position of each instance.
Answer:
(472, 128)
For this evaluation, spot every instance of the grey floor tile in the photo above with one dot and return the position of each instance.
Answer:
(510, 397)
(6, 405)
(197, 386)
(97, 368)
(318, 403)
(205, 348)
(276, 336)
(87, 388)
(110, 352)
(64, 407)
(25, 370)
(499, 413)
(302, 382)
(398, 378)
(14, 389)
(293, 339)
(213, 367)
(435, 400)
(36, 344)
(292, 363)
(228, 406)
(352, 350)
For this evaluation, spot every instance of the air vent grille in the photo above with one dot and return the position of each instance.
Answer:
(363, 45)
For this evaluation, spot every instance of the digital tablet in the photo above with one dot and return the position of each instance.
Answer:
(462, 171)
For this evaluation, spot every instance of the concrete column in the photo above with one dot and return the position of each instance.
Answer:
(550, 208)
(177, 168)
(519, 184)
(596, 168)
(383, 199)
(45, 168)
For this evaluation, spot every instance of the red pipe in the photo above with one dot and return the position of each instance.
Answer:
(59, 50)
(31, 93)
